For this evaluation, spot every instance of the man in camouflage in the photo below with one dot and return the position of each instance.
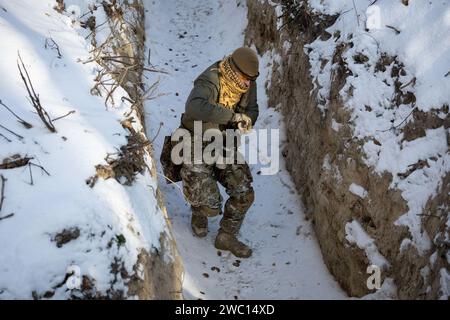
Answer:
(223, 97)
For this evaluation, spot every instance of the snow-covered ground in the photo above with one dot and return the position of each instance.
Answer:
(184, 38)
(107, 222)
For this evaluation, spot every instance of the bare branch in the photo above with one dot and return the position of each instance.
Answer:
(155, 70)
(23, 122)
(3, 136)
(157, 133)
(412, 81)
(2, 194)
(356, 12)
(7, 216)
(393, 28)
(67, 114)
(428, 215)
(50, 43)
(34, 97)
(40, 167)
(31, 174)
(10, 131)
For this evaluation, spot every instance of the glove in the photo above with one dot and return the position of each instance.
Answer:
(242, 122)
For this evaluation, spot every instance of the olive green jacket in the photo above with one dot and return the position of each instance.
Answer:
(203, 103)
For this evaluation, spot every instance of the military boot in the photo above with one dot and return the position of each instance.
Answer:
(199, 224)
(228, 241)
(226, 238)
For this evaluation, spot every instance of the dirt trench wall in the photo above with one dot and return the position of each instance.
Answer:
(312, 143)
(157, 275)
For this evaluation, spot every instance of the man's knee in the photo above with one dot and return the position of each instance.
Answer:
(249, 197)
(241, 201)
(206, 211)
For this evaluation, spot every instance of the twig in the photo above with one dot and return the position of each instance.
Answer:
(396, 126)
(376, 41)
(393, 28)
(429, 215)
(157, 133)
(116, 85)
(67, 114)
(175, 184)
(53, 45)
(90, 11)
(412, 81)
(23, 122)
(7, 216)
(40, 167)
(31, 174)
(155, 70)
(356, 12)
(148, 57)
(2, 194)
(17, 135)
(127, 99)
(1, 135)
(34, 97)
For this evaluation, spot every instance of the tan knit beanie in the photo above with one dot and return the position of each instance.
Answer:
(245, 61)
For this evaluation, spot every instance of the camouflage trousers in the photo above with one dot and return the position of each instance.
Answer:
(202, 192)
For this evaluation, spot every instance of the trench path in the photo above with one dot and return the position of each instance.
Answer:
(184, 38)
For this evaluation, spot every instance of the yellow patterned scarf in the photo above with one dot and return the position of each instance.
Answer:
(231, 88)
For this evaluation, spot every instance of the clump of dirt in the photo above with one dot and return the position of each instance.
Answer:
(65, 236)
(422, 121)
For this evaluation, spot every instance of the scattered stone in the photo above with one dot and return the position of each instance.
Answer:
(206, 275)
(237, 263)
(215, 269)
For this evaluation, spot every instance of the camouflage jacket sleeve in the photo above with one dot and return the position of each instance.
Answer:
(252, 109)
(199, 105)
(249, 104)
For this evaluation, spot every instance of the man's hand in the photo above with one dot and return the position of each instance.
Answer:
(242, 121)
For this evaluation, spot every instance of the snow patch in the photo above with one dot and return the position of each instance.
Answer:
(355, 234)
(357, 190)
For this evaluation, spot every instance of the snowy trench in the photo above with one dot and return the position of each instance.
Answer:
(184, 38)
